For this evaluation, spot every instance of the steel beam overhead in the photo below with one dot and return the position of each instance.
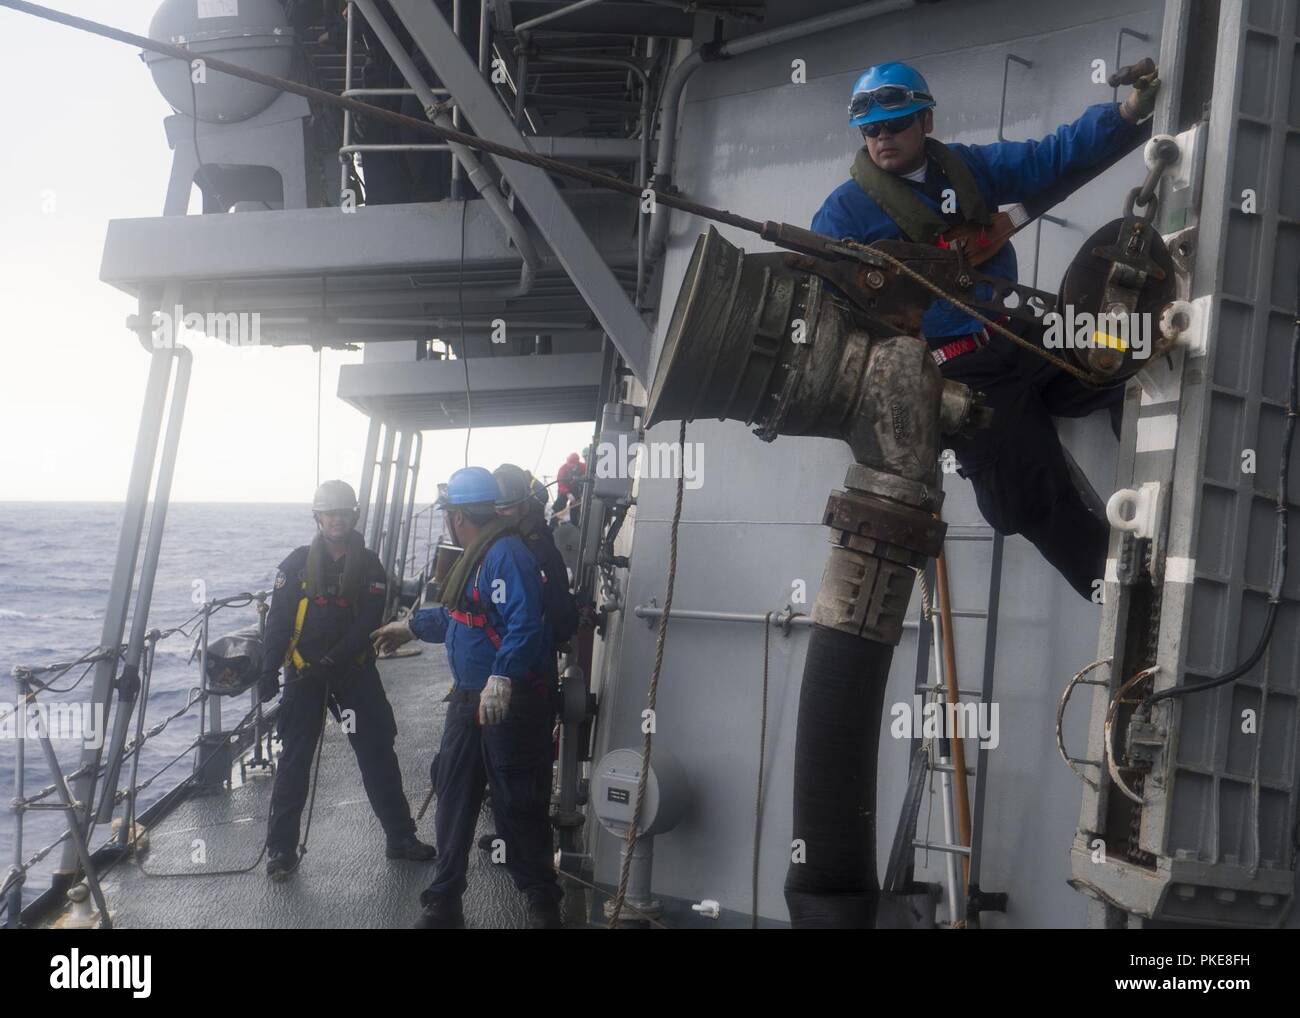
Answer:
(579, 256)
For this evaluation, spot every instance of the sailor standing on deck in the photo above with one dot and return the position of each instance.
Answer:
(904, 185)
(519, 501)
(501, 707)
(328, 597)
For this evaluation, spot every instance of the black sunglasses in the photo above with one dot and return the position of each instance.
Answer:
(896, 126)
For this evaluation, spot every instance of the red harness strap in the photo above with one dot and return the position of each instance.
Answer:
(478, 620)
(948, 351)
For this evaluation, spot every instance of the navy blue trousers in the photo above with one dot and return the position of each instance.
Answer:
(1017, 467)
(302, 713)
(514, 759)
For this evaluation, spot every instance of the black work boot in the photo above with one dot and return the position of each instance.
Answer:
(441, 914)
(408, 846)
(280, 866)
(544, 914)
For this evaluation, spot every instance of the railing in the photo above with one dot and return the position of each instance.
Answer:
(31, 681)
(349, 149)
(422, 527)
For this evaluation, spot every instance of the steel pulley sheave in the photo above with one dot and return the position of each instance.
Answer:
(1123, 271)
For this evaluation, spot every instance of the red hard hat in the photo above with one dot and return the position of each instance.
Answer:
(573, 458)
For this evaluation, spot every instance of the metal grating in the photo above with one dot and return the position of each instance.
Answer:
(1215, 841)
(1233, 793)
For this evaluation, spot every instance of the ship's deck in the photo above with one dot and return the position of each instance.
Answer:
(344, 880)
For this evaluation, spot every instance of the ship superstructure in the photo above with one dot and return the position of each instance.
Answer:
(498, 293)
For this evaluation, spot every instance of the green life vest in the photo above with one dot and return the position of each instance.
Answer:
(900, 202)
(453, 591)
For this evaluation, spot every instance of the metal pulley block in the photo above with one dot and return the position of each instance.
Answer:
(1113, 295)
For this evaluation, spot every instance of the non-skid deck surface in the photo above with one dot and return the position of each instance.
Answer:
(344, 882)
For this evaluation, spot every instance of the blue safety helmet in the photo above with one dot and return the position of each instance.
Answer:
(887, 91)
(469, 486)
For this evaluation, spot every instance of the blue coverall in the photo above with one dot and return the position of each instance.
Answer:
(1017, 467)
(513, 757)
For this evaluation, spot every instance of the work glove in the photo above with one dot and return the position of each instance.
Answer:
(267, 686)
(1141, 102)
(388, 638)
(494, 701)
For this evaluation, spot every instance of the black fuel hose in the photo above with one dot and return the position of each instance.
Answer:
(832, 881)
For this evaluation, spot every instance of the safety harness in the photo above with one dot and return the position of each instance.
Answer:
(477, 617)
(918, 222)
(291, 654)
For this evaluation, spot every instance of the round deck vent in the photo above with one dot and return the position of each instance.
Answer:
(250, 33)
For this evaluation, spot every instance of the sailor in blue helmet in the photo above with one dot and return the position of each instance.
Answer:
(328, 597)
(501, 708)
(902, 186)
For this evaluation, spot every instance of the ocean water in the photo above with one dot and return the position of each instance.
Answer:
(56, 560)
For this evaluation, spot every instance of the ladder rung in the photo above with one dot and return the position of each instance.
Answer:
(976, 693)
(950, 769)
(970, 533)
(1081, 760)
(954, 849)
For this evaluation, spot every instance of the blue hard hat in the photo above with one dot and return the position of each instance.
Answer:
(902, 90)
(469, 486)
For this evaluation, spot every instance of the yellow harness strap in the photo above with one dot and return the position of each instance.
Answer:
(299, 662)
(292, 653)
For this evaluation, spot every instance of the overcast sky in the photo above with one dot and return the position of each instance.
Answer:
(84, 144)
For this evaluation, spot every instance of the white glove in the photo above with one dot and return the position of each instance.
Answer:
(388, 638)
(494, 701)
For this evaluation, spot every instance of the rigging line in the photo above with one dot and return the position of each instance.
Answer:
(1089, 379)
(652, 696)
(477, 143)
(464, 352)
(320, 356)
(139, 830)
(542, 451)
(315, 777)
(600, 890)
(762, 753)
(378, 112)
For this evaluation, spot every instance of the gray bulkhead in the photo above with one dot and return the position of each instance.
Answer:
(755, 142)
